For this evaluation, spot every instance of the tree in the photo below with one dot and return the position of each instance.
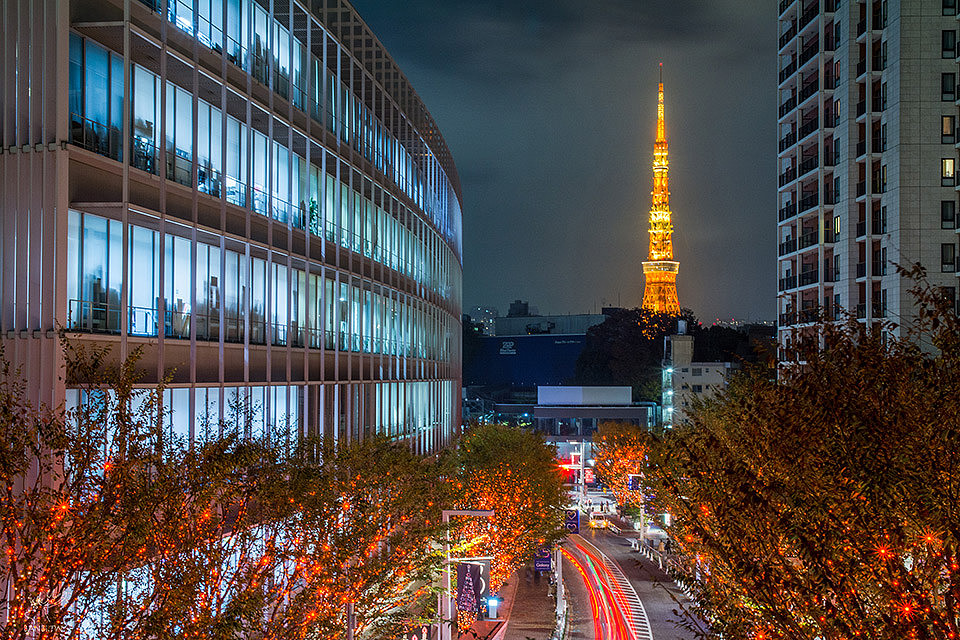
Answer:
(823, 500)
(112, 529)
(619, 451)
(514, 472)
(627, 349)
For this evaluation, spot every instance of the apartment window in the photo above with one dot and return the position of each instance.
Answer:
(949, 296)
(836, 226)
(948, 86)
(949, 7)
(948, 129)
(948, 257)
(947, 166)
(948, 214)
(948, 46)
(697, 371)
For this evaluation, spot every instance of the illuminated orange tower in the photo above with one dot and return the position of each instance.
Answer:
(660, 269)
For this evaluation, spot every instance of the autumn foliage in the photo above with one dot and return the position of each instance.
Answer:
(822, 500)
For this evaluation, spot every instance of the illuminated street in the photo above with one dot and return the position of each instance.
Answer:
(616, 594)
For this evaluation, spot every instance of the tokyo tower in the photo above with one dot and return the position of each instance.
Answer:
(660, 269)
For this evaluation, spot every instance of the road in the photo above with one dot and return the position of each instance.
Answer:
(616, 594)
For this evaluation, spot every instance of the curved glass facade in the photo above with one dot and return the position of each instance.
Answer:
(256, 196)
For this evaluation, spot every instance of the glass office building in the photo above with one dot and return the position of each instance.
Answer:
(249, 190)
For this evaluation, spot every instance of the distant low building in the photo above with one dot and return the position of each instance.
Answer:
(535, 325)
(568, 416)
(685, 380)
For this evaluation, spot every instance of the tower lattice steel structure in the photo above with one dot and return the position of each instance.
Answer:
(660, 269)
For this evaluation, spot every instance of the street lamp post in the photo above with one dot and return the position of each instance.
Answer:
(446, 597)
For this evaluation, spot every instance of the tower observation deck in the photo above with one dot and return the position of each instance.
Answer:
(660, 269)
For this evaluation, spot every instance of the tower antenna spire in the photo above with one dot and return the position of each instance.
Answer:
(660, 269)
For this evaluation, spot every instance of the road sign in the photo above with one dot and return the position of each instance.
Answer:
(571, 521)
(633, 482)
(423, 632)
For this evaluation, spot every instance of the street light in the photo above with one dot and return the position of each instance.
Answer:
(446, 597)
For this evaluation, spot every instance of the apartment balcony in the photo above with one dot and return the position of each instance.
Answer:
(808, 90)
(787, 141)
(787, 176)
(788, 71)
(809, 277)
(861, 108)
(861, 311)
(878, 268)
(861, 148)
(787, 211)
(785, 4)
(810, 314)
(878, 227)
(808, 239)
(787, 36)
(861, 68)
(787, 319)
(861, 229)
(861, 269)
(879, 310)
(788, 282)
(788, 106)
(808, 128)
(787, 246)
(831, 159)
(809, 52)
(878, 105)
(862, 188)
(861, 27)
(809, 14)
(807, 166)
(809, 202)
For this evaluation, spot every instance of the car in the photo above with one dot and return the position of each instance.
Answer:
(598, 521)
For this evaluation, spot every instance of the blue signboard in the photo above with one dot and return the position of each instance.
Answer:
(571, 521)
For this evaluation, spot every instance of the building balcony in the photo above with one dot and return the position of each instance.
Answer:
(809, 52)
(787, 36)
(788, 106)
(788, 71)
(809, 202)
(788, 282)
(878, 268)
(861, 270)
(808, 239)
(808, 90)
(861, 229)
(787, 211)
(862, 188)
(787, 141)
(809, 14)
(808, 127)
(809, 277)
(788, 318)
(808, 165)
(787, 176)
(787, 246)
(785, 4)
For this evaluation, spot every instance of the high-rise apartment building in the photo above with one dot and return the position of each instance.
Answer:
(867, 156)
(249, 190)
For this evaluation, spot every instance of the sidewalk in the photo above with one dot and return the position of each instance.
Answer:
(534, 611)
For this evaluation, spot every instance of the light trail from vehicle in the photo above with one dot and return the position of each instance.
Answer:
(608, 605)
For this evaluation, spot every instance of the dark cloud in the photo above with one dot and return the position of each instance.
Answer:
(549, 108)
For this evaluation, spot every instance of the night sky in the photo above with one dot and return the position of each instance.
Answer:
(549, 108)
